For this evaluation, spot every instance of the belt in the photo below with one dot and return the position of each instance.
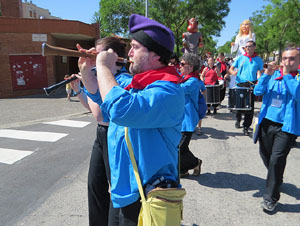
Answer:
(160, 183)
(247, 84)
(102, 126)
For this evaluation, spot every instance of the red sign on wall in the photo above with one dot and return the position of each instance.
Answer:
(28, 72)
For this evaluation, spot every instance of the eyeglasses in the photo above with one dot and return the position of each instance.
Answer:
(248, 46)
(182, 64)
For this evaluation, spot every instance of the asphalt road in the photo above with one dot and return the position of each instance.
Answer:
(228, 191)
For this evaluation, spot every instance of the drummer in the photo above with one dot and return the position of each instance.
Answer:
(222, 65)
(249, 68)
(210, 76)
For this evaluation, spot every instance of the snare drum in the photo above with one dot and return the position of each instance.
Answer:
(212, 94)
(239, 98)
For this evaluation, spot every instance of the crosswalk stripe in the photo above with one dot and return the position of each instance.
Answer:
(31, 135)
(10, 156)
(69, 123)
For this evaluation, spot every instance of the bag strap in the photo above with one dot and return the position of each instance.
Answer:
(133, 162)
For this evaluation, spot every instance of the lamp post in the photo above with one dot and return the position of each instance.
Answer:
(146, 11)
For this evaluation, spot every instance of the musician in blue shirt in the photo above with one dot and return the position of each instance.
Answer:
(279, 120)
(249, 70)
(152, 108)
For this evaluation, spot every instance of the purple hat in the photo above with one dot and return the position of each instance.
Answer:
(151, 34)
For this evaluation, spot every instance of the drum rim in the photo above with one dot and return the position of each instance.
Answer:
(240, 109)
(213, 102)
(240, 88)
(212, 85)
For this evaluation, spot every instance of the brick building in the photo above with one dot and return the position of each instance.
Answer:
(24, 71)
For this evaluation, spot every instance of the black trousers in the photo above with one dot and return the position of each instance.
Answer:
(187, 159)
(248, 113)
(274, 147)
(222, 93)
(98, 177)
(125, 216)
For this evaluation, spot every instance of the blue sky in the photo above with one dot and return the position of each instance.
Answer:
(84, 11)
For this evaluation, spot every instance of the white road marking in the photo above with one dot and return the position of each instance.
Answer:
(69, 123)
(31, 135)
(10, 156)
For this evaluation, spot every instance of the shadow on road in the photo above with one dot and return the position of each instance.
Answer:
(223, 116)
(209, 132)
(246, 182)
(59, 93)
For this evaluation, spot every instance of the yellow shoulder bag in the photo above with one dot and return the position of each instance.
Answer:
(163, 206)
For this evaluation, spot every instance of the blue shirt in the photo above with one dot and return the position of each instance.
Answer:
(281, 101)
(153, 116)
(247, 71)
(122, 77)
(191, 89)
(202, 86)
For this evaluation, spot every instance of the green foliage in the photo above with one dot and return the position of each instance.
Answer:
(225, 48)
(277, 24)
(114, 14)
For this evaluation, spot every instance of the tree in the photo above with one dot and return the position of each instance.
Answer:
(226, 48)
(114, 15)
(277, 24)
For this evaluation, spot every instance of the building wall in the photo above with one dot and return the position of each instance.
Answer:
(30, 10)
(17, 44)
(16, 38)
(11, 8)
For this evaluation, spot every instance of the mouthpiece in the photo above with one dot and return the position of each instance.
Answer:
(124, 60)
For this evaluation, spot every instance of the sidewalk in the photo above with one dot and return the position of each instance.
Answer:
(28, 110)
(228, 191)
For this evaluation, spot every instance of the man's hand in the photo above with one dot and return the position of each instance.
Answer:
(85, 64)
(232, 71)
(107, 58)
(227, 77)
(286, 69)
(271, 68)
(75, 85)
(106, 66)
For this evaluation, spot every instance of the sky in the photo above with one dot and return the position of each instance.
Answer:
(83, 10)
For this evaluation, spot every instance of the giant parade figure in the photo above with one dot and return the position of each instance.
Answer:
(192, 39)
(245, 34)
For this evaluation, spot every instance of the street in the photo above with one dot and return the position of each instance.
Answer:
(48, 186)
(31, 179)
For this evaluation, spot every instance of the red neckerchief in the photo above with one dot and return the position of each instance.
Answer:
(140, 81)
(281, 74)
(190, 75)
(223, 65)
(250, 57)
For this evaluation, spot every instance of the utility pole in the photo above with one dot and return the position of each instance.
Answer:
(146, 14)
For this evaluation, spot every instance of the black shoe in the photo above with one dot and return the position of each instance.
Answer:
(199, 131)
(208, 112)
(184, 174)
(237, 125)
(197, 169)
(245, 131)
(268, 205)
(215, 111)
